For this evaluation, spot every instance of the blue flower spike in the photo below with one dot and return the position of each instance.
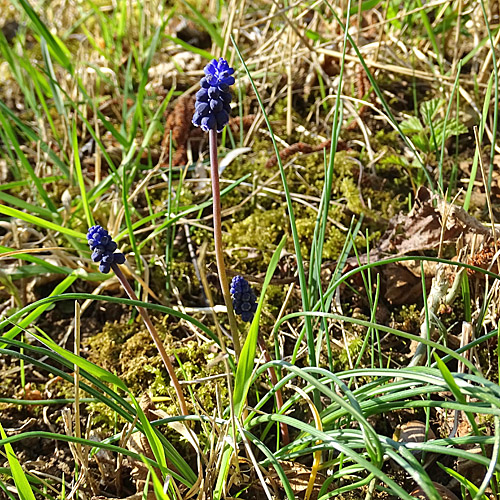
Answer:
(213, 100)
(103, 248)
(244, 299)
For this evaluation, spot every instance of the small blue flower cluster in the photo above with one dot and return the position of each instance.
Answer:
(244, 300)
(103, 248)
(213, 100)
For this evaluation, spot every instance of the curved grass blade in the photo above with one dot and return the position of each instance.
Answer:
(22, 484)
(38, 310)
(246, 362)
(84, 296)
(37, 221)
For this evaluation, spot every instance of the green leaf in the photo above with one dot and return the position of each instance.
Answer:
(82, 363)
(246, 362)
(429, 109)
(421, 141)
(22, 483)
(366, 5)
(32, 219)
(452, 128)
(411, 125)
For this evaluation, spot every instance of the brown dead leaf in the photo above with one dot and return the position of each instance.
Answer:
(298, 476)
(32, 394)
(445, 493)
(431, 222)
(402, 285)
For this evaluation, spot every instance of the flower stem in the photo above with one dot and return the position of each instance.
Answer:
(156, 339)
(219, 255)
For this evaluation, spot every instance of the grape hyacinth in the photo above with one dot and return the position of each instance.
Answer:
(213, 100)
(244, 299)
(103, 248)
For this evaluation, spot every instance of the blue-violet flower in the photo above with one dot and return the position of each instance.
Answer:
(244, 300)
(213, 100)
(103, 248)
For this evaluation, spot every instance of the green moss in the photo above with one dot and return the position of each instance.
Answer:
(129, 352)
(408, 318)
(355, 338)
(257, 236)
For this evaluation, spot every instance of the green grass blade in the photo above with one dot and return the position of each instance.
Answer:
(26, 165)
(56, 46)
(96, 371)
(246, 362)
(24, 205)
(430, 34)
(293, 226)
(495, 101)
(38, 311)
(55, 297)
(32, 136)
(20, 480)
(209, 28)
(386, 107)
(72, 439)
(245, 368)
(141, 92)
(79, 176)
(475, 162)
(468, 485)
(37, 221)
(54, 86)
(190, 48)
(443, 138)
(150, 432)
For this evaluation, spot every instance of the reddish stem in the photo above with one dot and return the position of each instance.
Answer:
(156, 339)
(219, 255)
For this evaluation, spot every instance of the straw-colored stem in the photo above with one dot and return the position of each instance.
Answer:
(156, 339)
(219, 255)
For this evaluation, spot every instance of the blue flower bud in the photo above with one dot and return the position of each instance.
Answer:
(103, 248)
(212, 107)
(202, 95)
(213, 93)
(244, 300)
(216, 105)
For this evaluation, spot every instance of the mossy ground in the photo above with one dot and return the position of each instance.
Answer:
(250, 235)
(128, 351)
